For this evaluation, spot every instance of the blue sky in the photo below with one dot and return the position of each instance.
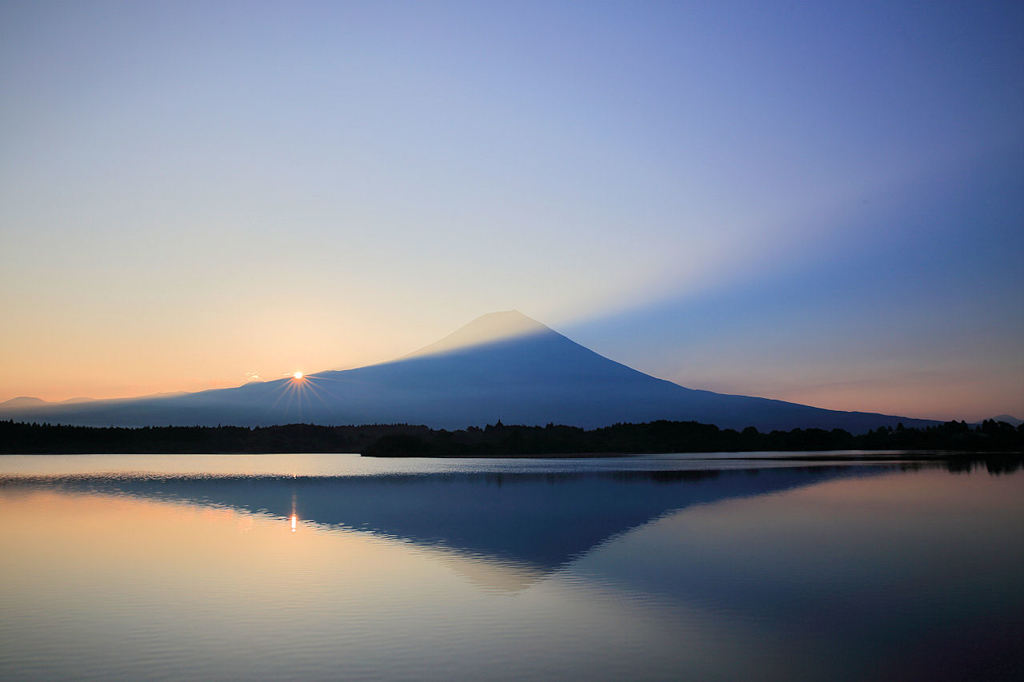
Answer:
(815, 202)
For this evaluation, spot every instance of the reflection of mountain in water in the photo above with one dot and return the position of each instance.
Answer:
(539, 520)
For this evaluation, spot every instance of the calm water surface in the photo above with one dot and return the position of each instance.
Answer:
(667, 567)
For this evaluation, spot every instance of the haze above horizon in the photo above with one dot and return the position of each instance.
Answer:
(817, 204)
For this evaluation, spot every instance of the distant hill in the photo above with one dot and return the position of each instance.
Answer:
(23, 401)
(1009, 419)
(502, 366)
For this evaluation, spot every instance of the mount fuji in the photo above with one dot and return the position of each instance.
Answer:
(502, 366)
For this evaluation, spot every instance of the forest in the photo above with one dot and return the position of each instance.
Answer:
(497, 440)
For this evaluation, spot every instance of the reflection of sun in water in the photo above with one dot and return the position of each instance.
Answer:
(298, 376)
(295, 521)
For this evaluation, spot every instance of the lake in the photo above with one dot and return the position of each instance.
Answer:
(654, 567)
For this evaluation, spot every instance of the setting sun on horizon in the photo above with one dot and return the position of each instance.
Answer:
(801, 204)
(627, 340)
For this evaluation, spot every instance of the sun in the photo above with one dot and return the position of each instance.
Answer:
(298, 376)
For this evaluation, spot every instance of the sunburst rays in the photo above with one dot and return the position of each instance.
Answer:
(297, 394)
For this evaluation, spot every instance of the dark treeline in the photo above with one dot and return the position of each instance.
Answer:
(402, 440)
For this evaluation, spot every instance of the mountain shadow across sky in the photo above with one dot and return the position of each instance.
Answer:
(500, 367)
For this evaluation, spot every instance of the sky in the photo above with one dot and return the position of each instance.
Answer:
(818, 202)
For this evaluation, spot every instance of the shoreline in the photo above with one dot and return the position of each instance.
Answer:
(711, 455)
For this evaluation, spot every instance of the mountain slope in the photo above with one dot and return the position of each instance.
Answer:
(23, 401)
(502, 366)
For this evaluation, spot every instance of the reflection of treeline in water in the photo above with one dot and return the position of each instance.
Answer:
(402, 440)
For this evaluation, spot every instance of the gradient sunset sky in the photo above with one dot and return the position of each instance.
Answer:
(818, 202)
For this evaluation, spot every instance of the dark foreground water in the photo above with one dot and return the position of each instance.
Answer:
(670, 567)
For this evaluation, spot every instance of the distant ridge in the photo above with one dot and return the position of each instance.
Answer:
(501, 366)
(23, 401)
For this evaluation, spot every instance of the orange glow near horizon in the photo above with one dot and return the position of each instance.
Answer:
(130, 369)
